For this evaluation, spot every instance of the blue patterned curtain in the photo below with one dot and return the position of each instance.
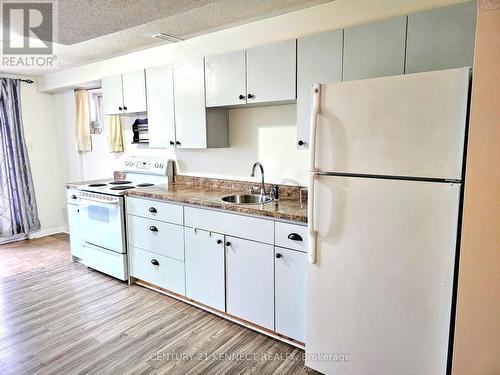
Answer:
(18, 210)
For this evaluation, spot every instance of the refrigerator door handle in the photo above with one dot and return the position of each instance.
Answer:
(313, 172)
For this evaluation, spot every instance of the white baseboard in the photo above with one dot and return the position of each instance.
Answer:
(48, 232)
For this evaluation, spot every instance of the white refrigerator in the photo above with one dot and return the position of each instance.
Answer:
(384, 202)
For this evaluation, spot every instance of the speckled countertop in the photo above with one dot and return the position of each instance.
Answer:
(207, 192)
(284, 209)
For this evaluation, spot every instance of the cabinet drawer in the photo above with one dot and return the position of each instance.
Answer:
(230, 224)
(162, 211)
(156, 236)
(292, 236)
(72, 196)
(157, 269)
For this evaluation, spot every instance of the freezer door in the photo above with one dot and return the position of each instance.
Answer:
(381, 288)
(408, 125)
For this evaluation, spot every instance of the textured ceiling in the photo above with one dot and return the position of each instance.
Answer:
(83, 20)
(93, 30)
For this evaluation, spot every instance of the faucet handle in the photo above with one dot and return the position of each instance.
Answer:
(275, 192)
(254, 189)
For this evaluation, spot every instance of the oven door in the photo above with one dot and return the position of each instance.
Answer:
(102, 221)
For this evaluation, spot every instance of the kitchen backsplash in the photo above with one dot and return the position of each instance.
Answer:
(286, 191)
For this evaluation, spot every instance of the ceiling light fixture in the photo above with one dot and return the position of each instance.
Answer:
(167, 38)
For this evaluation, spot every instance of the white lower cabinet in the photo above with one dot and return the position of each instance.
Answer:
(250, 281)
(74, 231)
(157, 269)
(290, 269)
(206, 260)
(205, 267)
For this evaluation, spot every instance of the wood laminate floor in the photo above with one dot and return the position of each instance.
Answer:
(67, 319)
(21, 256)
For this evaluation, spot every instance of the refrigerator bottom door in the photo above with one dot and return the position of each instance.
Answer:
(379, 296)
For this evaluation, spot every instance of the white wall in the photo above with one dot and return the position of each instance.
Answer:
(265, 134)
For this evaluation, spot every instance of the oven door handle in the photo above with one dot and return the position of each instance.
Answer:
(99, 200)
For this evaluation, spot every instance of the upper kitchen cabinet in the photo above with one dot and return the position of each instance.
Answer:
(195, 125)
(160, 98)
(225, 79)
(271, 72)
(112, 97)
(441, 38)
(319, 59)
(374, 50)
(124, 93)
(134, 91)
(262, 74)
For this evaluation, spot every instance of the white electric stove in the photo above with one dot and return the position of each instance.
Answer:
(102, 216)
(140, 172)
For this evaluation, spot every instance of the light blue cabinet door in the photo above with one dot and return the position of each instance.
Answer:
(319, 60)
(271, 72)
(375, 50)
(205, 267)
(112, 94)
(250, 281)
(290, 269)
(160, 98)
(75, 236)
(225, 79)
(441, 38)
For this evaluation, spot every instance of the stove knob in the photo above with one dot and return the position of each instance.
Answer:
(161, 165)
(156, 165)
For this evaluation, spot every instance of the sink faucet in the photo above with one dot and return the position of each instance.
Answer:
(262, 186)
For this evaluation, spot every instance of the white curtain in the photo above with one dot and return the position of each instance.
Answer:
(83, 139)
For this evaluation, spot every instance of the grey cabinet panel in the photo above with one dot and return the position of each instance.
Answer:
(319, 60)
(375, 50)
(160, 99)
(441, 38)
(225, 79)
(271, 71)
(189, 99)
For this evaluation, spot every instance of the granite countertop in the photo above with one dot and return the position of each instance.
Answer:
(284, 209)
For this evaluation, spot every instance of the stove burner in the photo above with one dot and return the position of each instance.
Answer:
(120, 182)
(97, 185)
(122, 187)
(144, 185)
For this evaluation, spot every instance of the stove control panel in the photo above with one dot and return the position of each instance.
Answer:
(153, 166)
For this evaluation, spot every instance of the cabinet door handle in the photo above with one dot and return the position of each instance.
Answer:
(177, 143)
(73, 196)
(152, 210)
(154, 262)
(301, 143)
(251, 96)
(172, 143)
(241, 97)
(278, 255)
(228, 243)
(294, 237)
(152, 228)
(124, 108)
(120, 108)
(219, 242)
